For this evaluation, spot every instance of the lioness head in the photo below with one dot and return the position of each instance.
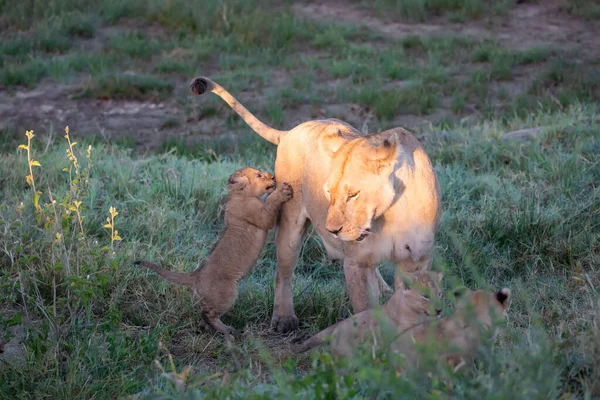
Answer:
(251, 182)
(360, 187)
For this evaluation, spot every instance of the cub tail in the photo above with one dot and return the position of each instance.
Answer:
(173, 277)
(316, 340)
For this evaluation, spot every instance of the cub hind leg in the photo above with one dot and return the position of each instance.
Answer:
(216, 299)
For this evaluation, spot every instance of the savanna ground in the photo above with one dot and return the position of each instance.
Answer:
(523, 211)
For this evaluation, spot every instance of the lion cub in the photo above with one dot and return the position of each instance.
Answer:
(247, 220)
(405, 314)
(404, 309)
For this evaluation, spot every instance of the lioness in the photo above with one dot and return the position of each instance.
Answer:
(404, 313)
(247, 220)
(371, 198)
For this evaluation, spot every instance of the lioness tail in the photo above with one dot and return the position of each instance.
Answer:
(173, 277)
(200, 85)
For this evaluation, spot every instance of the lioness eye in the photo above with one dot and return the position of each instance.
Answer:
(259, 175)
(352, 196)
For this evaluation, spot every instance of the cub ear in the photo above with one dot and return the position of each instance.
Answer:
(502, 297)
(237, 182)
(439, 276)
(460, 292)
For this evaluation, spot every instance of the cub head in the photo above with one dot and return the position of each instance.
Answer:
(360, 187)
(482, 306)
(475, 312)
(422, 291)
(251, 182)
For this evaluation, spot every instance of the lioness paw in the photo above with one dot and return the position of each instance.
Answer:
(284, 324)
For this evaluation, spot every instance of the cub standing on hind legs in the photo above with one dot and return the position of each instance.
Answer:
(247, 220)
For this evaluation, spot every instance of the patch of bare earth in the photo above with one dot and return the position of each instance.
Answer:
(52, 105)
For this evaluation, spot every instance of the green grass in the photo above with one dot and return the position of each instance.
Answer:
(588, 9)
(27, 74)
(522, 215)
(135, 45)
(77, 24)
(127, 87)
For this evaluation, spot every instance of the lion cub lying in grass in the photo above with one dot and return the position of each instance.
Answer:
(404, 314)
(247, 220)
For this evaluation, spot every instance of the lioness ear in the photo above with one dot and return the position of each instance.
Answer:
(502, 297)
(387, 149)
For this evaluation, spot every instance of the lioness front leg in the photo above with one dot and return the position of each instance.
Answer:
(363, 285)
(290, 232)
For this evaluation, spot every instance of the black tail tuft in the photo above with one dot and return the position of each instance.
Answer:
(199, 86)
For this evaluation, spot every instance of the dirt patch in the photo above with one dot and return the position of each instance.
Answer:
(527, 25)
(148, 125)
(53, 106)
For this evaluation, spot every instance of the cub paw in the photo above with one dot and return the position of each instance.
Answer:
(285, 190)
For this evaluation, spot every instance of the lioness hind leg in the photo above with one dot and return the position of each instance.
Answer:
(289, 235)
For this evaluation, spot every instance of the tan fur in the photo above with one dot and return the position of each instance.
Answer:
(371, 198)
(405, 314)
(406, 308)
(475, 312)
(247, 220)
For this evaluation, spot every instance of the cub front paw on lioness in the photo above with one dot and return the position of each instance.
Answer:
(247, 221)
